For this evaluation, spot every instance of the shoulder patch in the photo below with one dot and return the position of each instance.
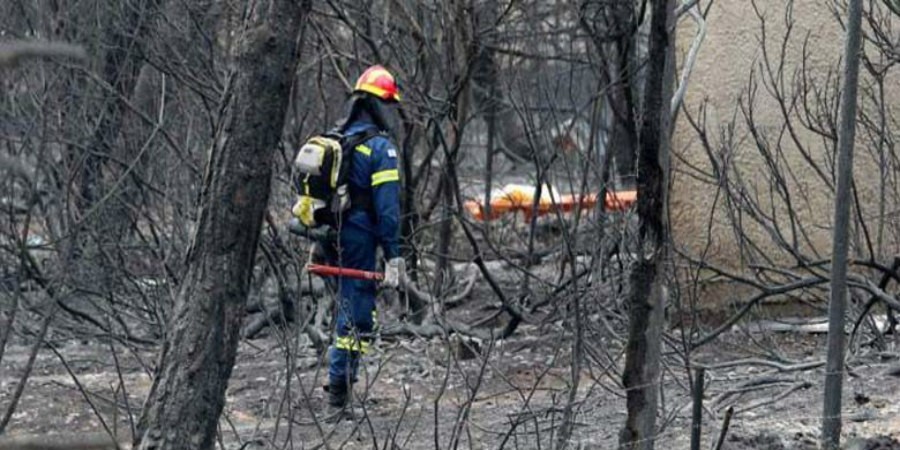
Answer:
(392, 152)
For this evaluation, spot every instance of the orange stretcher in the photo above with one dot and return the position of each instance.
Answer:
(515, 198)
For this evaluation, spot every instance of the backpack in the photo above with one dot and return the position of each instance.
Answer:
(320, 177)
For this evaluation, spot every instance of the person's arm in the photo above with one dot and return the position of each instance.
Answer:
(386, 198)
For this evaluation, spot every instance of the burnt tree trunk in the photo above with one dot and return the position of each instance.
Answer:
(187, 395)
(621, 77)
(101, 203)
(461, 47)
(647, 295)
(613, 27)
(837, 306)
(485, 88)
(125, 35)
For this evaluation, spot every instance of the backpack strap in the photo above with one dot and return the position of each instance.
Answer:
(352, 141)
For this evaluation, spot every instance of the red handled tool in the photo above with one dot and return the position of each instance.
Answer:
(332, 271)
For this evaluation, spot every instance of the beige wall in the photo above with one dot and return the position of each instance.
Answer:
(730, 53)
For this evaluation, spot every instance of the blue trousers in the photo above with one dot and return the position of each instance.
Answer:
(355, 315)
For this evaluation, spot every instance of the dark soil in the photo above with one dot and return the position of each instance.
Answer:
(416, 394)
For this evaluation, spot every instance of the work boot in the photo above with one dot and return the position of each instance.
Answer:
(337, 394)
(338, 402)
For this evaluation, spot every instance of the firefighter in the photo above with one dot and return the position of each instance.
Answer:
(372, 221)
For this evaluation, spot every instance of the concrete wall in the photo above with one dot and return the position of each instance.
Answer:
(732, 55)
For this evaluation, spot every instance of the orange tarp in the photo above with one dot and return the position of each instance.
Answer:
(512, 198)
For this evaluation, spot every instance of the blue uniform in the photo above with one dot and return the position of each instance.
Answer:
(374, 175)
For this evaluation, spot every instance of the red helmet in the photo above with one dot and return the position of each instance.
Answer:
(376, 80)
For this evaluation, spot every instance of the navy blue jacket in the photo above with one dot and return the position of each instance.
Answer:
(375, 171)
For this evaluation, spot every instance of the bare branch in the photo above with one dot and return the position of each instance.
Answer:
(691, 59)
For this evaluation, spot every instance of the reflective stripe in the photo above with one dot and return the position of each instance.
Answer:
(352, 344)
(376, 91)
(364, 150)
(336, 166)
(372, 89)
(385, 176)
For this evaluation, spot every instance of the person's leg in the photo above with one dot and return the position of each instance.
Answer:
(354, 313)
